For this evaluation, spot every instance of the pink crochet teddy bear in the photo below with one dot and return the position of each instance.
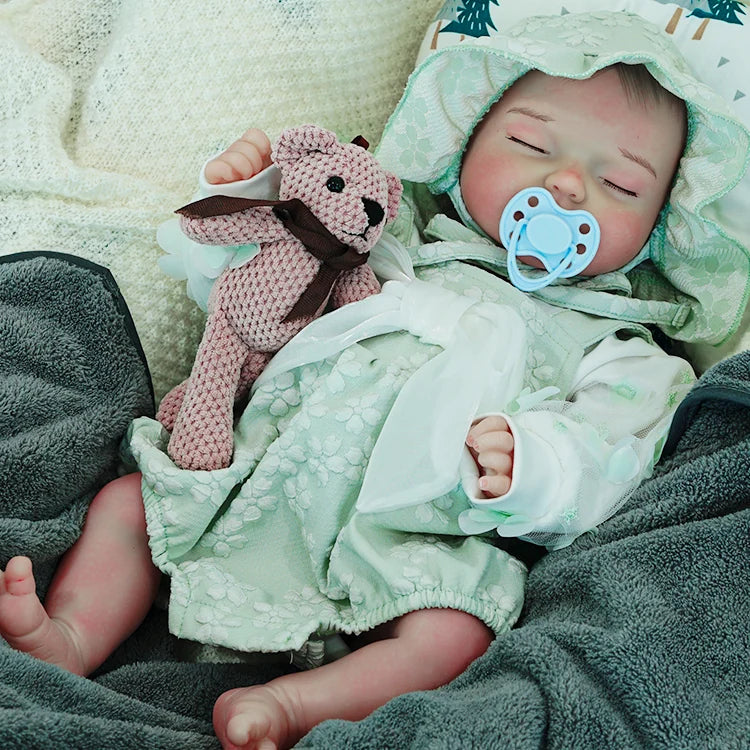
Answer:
(334, 201)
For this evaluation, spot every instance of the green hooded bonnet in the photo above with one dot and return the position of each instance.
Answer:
(695, 284)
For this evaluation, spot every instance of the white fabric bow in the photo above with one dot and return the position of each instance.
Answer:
(417, 455)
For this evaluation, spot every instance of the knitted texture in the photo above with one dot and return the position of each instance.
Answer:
(352, 197)
(108, 109)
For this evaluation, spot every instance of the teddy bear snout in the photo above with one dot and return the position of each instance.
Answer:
(374, 211)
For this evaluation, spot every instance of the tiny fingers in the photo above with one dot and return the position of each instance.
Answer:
(491, 441)
(257, 138)
(232, 166)
(243, 159)
(491, 424)
(488, 424)
(218, 171)
(494, 485)
(255, 147)
(496, 470)
(495, 462)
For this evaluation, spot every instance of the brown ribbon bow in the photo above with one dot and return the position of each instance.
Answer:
(334, 255)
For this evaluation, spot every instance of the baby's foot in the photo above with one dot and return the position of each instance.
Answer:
(25, 624)
(258, 718)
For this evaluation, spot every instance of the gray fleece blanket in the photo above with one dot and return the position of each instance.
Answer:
(636, 636)
(72, 376)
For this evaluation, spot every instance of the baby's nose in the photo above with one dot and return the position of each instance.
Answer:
(566, 186)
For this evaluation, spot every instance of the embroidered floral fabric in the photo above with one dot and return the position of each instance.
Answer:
(270, 550)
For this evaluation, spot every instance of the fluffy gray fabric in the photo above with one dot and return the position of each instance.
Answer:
(635, 636)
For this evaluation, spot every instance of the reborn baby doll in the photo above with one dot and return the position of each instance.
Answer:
(279, 550)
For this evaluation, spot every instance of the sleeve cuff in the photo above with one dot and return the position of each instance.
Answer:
(537, 477)
(265, 184)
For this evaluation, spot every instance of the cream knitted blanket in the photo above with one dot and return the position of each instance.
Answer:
(109, 107)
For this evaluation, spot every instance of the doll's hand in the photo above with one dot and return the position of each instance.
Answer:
(490, 442)
(242, 160)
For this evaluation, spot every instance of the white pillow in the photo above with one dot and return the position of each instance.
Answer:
(714, 43)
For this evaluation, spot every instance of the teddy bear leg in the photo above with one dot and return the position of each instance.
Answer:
(202, 437)
(170, 406)
(254, 364)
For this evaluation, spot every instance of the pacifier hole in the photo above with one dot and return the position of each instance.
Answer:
(533, 201)
(580, 249)
(518, 215)
(584, 229)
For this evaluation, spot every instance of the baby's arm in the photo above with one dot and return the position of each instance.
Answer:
(575, 461)
(247, 156)
(491, 443)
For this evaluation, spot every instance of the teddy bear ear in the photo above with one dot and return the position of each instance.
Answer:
(296, 142)
(395, 188)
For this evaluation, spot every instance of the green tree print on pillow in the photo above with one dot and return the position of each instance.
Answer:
(721, 10)
(450, 10)
(472, 17)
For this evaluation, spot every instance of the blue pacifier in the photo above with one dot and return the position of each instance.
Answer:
(534, 225)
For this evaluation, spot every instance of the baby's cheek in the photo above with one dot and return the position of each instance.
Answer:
(487, 184)
(623, 234)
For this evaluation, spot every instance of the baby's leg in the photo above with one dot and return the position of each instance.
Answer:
(419, 651)
(101, 590)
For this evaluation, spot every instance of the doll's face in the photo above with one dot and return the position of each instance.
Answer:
(590, 145)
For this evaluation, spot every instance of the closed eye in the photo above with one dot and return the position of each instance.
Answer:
(619, 189)
(524, 143)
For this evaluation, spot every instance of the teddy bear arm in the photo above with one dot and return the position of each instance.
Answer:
(252, 225)
(355, 285)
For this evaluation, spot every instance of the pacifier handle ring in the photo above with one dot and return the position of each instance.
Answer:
(530, 285)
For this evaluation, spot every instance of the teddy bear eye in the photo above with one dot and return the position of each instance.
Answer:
(335, 184)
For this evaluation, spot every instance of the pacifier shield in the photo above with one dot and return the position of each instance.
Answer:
(548, 234)
(534, 225)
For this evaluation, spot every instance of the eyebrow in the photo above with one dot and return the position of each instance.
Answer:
(531, 113)
(638, 160)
